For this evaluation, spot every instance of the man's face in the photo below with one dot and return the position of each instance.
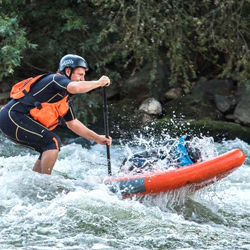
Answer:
(77, 75)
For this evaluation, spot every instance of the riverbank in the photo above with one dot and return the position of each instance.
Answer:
(140, 104)
(212, 107)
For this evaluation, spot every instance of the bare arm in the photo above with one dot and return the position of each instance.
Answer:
(80, 129)
(80, 87)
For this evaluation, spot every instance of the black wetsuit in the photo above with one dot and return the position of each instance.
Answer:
(17, 124)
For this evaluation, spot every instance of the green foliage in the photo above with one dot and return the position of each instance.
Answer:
(193, 38)
(12, 42)
(197, 38)
(86, 107)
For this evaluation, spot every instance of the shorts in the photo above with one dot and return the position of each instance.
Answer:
(23, 130)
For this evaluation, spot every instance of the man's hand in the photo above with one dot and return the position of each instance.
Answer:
(104, 81)
(104, 141)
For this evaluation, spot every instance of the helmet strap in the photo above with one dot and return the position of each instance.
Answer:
(70, 74)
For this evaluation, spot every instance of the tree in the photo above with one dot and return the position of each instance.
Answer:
(13, 43)
(194, 39)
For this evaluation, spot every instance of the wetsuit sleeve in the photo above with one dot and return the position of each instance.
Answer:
(61, 82)
(70, 115)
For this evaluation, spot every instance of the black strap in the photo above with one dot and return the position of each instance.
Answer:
(29, 98)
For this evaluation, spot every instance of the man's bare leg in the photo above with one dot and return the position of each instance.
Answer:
(37, 166)
(47, 162)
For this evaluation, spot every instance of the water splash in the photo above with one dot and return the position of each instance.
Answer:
(72, 209)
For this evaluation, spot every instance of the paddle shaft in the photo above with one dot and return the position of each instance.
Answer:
(106, 127)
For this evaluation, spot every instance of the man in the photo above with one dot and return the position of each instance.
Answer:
(25, 120)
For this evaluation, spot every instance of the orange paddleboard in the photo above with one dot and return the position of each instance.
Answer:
(196, 175)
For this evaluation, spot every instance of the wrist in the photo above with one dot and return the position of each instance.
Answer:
(99, 83)
(96, 138)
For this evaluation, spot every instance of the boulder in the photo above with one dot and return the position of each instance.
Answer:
(192, 107)
(222, 103)
(151, 106)
(213, 87)
(113, 91)
(173, 93)
(147, 82)
(146, 119)
(242, 110)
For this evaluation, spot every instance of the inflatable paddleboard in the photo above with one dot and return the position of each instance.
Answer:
(196, 176)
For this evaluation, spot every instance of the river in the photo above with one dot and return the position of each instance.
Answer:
(73, 210)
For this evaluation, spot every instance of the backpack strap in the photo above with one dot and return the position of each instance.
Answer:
(23, 87)
(30, 99)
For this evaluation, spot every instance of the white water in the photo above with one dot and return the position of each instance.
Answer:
(72, 210)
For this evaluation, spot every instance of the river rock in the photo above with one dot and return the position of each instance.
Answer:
(242, 110)
(151, 106)
(146, 119)
(113, 91)
(221, 103)
(213, 87)
(149, 81)
(173, 93)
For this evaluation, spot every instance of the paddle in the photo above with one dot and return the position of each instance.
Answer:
(105, 114)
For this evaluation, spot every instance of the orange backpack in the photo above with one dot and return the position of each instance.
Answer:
(21, 88)
(46, 113)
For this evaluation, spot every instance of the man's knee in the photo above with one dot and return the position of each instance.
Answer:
(51, 141)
